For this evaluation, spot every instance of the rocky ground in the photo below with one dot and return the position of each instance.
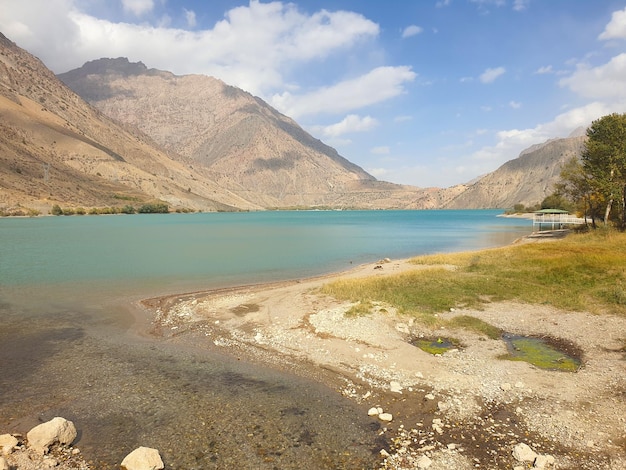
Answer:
(461, 410)
(464, 409)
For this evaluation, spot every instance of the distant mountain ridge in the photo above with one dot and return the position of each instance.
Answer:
(221, 148)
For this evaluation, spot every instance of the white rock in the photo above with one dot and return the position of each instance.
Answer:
(143, 458)
(424, 462)
(419, 375)
(523, 453)
(429, 396)
(395, 387)
(4, 465)
(7, 443)
(506, 386)
(451, 446)
(373, 411)
(57, 429)
(385, 416)
(543, 461)
(384, 453)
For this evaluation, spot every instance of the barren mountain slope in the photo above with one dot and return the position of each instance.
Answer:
(526, 180)
(246, 145)
(55, 148)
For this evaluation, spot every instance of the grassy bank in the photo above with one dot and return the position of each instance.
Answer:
(583, 272)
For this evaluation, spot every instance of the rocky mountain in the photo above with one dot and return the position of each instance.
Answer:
(527, 180)
(197, 143)
(237, 139)
(56, 148)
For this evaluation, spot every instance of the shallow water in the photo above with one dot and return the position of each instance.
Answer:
(200, 408)
(67, 285)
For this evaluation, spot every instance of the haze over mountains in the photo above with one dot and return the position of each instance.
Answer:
(195, 142)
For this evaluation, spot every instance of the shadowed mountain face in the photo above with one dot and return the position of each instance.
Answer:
(244, 143)
(56, 148)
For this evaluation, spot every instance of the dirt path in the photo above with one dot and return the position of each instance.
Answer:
(464, 409)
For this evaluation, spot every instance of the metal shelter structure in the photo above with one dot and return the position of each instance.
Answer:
(554, 219)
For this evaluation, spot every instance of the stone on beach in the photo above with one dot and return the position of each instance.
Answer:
(143, 458)
(385, 416)
(543, 461)
(7, 443)
(395, 387)
(60, 430)
(3, 464)
(424, 462)
(523, 453)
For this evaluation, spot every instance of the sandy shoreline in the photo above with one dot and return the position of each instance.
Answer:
(464, 409)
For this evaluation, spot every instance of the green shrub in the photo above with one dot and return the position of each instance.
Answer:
(155, 208)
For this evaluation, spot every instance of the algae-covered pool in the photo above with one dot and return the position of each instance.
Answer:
(543, 352)
(436, 345)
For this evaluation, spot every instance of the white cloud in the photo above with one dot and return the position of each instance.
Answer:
(190, 15)
(544, 70)
(378, 85)
(382, 150)
(606, 81)
(250, 48)
(379, 172)
(520, 5)
(616, 29)
(515, 104)
(403, 118)
(351, 123)
(490, 75)
(442, 3)
(510, 143)
(412, 30)
(138, 7)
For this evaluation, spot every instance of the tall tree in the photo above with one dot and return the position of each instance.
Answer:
(604, 161)
(575, 185)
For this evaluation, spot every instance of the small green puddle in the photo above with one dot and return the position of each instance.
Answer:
(545, 353)
(436, 345)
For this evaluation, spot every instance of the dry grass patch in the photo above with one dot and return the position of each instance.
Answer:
(583, 272)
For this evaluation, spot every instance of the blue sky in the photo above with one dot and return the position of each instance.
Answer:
(422, 92)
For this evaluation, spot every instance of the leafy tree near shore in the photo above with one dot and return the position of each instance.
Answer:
(597, 182)
(604, 160)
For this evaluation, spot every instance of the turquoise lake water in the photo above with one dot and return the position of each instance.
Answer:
(67, 286)
(232, 248)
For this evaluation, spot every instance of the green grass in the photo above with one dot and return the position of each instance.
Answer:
(583, 272)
